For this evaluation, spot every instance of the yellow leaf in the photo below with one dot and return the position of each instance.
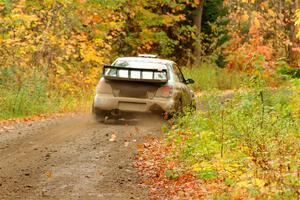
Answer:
(271, 13)
(49, 174)
(244, 18)
(256, 23)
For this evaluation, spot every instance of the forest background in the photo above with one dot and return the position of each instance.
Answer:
(51, 51)
(247, 147)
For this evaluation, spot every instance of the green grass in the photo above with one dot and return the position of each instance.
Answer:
(32, 97)
(209, 77)
(251, 142)
(22, 103)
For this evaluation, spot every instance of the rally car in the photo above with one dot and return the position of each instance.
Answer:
(142, 84)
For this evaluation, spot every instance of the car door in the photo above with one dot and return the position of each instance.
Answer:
(186, 96)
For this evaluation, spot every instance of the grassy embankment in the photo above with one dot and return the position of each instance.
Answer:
(32, 96)
(248, 146)
(209, 77)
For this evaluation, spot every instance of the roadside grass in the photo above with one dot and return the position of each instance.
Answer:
(31, 96)
(248, 146)
(208, 77)
(20, 104)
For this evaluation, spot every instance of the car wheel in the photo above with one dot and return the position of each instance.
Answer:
(193, 105)
(180, 108)
(168, 116)
(98, 115)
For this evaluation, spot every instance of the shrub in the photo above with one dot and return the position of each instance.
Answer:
(249, 144)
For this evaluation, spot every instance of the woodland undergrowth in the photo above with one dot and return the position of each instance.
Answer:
(245, 147)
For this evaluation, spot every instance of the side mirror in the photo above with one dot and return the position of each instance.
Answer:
(189, 81)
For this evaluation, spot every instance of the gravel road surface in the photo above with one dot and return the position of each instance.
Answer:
(72, 157)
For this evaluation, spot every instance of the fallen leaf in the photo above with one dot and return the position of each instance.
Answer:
(113, 138)
(49, 174)
(140, 147)
(146, 145)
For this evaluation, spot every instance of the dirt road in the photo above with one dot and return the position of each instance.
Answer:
(72, 158)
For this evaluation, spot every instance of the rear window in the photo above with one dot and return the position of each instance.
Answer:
(139, 64)
(142, 74)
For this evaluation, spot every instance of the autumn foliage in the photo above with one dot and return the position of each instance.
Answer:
(63, 44)
(51, 52)
(262, 28)
(244, 148)
(51, 57)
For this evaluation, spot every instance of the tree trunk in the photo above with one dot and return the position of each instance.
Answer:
(197, 23)
(291, 28)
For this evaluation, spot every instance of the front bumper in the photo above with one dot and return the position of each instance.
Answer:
(109, 102)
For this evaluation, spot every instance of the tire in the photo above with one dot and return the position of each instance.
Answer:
(178, 112)
(98, 115)
(168, 116)
(180, 108)
(193, 106)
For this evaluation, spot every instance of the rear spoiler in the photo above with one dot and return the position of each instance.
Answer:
(135, 74)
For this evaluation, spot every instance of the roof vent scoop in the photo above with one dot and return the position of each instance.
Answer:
(147, 56)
